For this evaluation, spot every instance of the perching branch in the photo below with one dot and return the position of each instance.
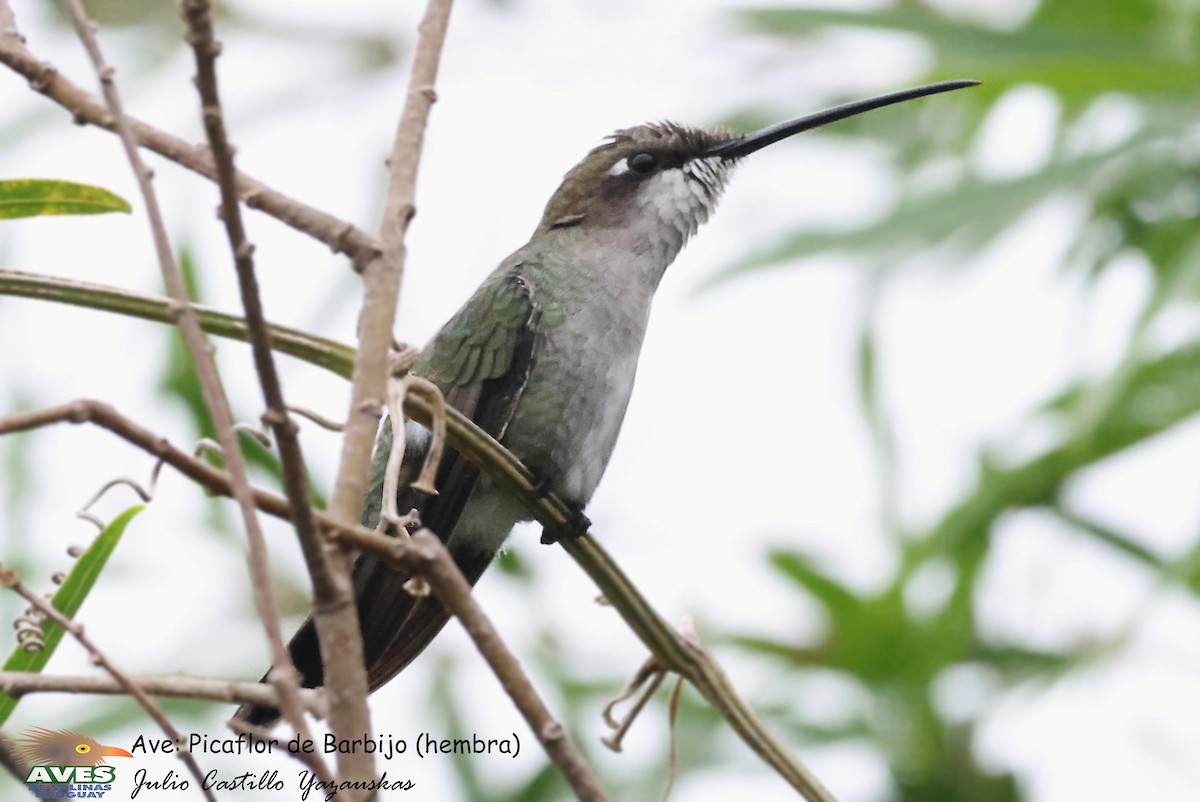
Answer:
(17, 683)
(11, 581)
(283, 675)
(320, 351)
(43, 77)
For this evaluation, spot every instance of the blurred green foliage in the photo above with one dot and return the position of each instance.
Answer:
(1140, 193)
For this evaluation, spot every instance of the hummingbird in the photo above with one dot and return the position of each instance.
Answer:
(543, 357)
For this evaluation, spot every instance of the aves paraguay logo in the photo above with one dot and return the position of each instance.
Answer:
(64, 764)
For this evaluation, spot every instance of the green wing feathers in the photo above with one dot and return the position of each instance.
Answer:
(478, 343)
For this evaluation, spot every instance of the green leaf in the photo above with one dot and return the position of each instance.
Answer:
(1052, 49)
(1016, 664)
(947, 34)
(835, 597)
(1156, 396)
(36, 197)
(67, 601)
(1109, 536)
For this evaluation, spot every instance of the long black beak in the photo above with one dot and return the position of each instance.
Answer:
(740, 146)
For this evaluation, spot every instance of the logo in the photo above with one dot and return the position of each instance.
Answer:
(64, 764)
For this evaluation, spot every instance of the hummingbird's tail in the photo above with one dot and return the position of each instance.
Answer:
(306, 655)
(396, 627)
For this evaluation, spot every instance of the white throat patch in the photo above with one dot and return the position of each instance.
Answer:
(684, 197)
(675, 202)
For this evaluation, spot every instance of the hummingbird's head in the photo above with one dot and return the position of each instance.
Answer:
(654, 184)
(658, 176)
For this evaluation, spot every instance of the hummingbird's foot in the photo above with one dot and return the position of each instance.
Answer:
(576, 526)
(541, 484)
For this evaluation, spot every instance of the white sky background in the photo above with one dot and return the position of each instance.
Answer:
(524, 93)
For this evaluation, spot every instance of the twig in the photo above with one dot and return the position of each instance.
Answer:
(212, 479)
(205, 366)
(144, 492)
(397, 390)
(381, 288)
(11, 581)
(672, 756)
(647, 679)
(317, 418)
(310, 759)
(326, 589)
(215, 480)
(16, 683)
(339, 235)
(426, 556)
(382, 274)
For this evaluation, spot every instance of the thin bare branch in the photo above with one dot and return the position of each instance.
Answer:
(202, 359)
(426, 556)
(10, 580)
(283, 674)
(315, 417)
(212, 479)
(17, 683)
(397, 390)
(646, 680)
(310, 759)
(339, 235)
(381, 288)
(382, 275)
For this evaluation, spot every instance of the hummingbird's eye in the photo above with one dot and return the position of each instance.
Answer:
(643, 163)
